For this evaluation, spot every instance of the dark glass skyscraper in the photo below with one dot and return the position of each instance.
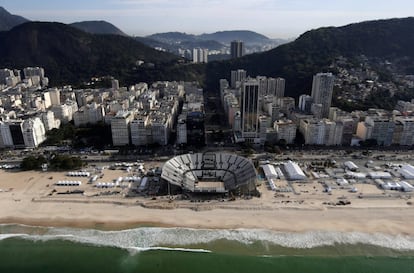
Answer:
(250, 109)
(237, 49)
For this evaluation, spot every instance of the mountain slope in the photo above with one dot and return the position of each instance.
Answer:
(218, 41)
(314, 51)
(98, 27)
(172, 37)
(8, 21)
(70, 55)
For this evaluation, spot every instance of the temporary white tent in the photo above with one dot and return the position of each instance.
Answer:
(293, 171)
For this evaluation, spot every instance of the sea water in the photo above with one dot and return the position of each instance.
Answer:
(152, 249)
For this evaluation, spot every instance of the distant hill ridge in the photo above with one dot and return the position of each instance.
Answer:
(8, 20)
(224, 37)
(98, 27)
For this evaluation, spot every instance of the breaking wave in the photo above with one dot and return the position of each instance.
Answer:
(151, 238)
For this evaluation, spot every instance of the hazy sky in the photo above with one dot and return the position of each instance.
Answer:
(274, 18)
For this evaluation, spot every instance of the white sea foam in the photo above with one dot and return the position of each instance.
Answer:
(142, 239)
(11, 235)
(140, 249)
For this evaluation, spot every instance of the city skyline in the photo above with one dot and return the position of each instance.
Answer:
(275, 19)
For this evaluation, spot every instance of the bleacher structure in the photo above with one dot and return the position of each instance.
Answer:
(210, 172)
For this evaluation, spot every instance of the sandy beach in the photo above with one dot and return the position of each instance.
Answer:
(25, 199)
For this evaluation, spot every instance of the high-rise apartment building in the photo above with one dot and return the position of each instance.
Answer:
(322, 89)
(377, 126)
(120, 128)
(34, 71)
(54, 94)
(89, 114)
(12, 133)
(182, 129)
(49, 120)
(237, 49)
(34, 132)
(285, 129)
(404, 131)
(279, 87)
(139, 131)
(321, 132)
(200, 55)
(237, 77)
(305, 103)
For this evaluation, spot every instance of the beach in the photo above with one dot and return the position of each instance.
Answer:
(24, 199)
(302, 232)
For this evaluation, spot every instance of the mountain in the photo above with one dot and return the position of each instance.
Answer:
(70, 55)
(225, 37)
(172, 37)
(98, 27)
(155, 43)
(173, 41)
(218, 41)
(315, 51)
(8, 21)
(176, 42)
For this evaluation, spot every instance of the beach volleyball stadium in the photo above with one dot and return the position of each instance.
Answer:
(211, 172)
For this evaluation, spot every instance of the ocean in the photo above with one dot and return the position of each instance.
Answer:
(152, 249)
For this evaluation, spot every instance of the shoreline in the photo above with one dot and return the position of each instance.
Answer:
(390, 221)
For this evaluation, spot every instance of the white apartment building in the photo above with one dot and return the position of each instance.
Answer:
(287, 104)
(231, 107)
(276, 87)
(65, 111)
(160, 129)
(285, 129)
(120, 128)
(140, 134)
(404, 131)
(49, 121)
(380, 128)
(54, 95)
(200, 55)
(7, 140)
(321, 132)
(34, 132)
(92, 114)
(237, 77)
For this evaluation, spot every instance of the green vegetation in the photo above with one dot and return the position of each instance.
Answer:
(33, 163)
(58, 136)
(56, 162)
(92, 135)
(65, 162)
